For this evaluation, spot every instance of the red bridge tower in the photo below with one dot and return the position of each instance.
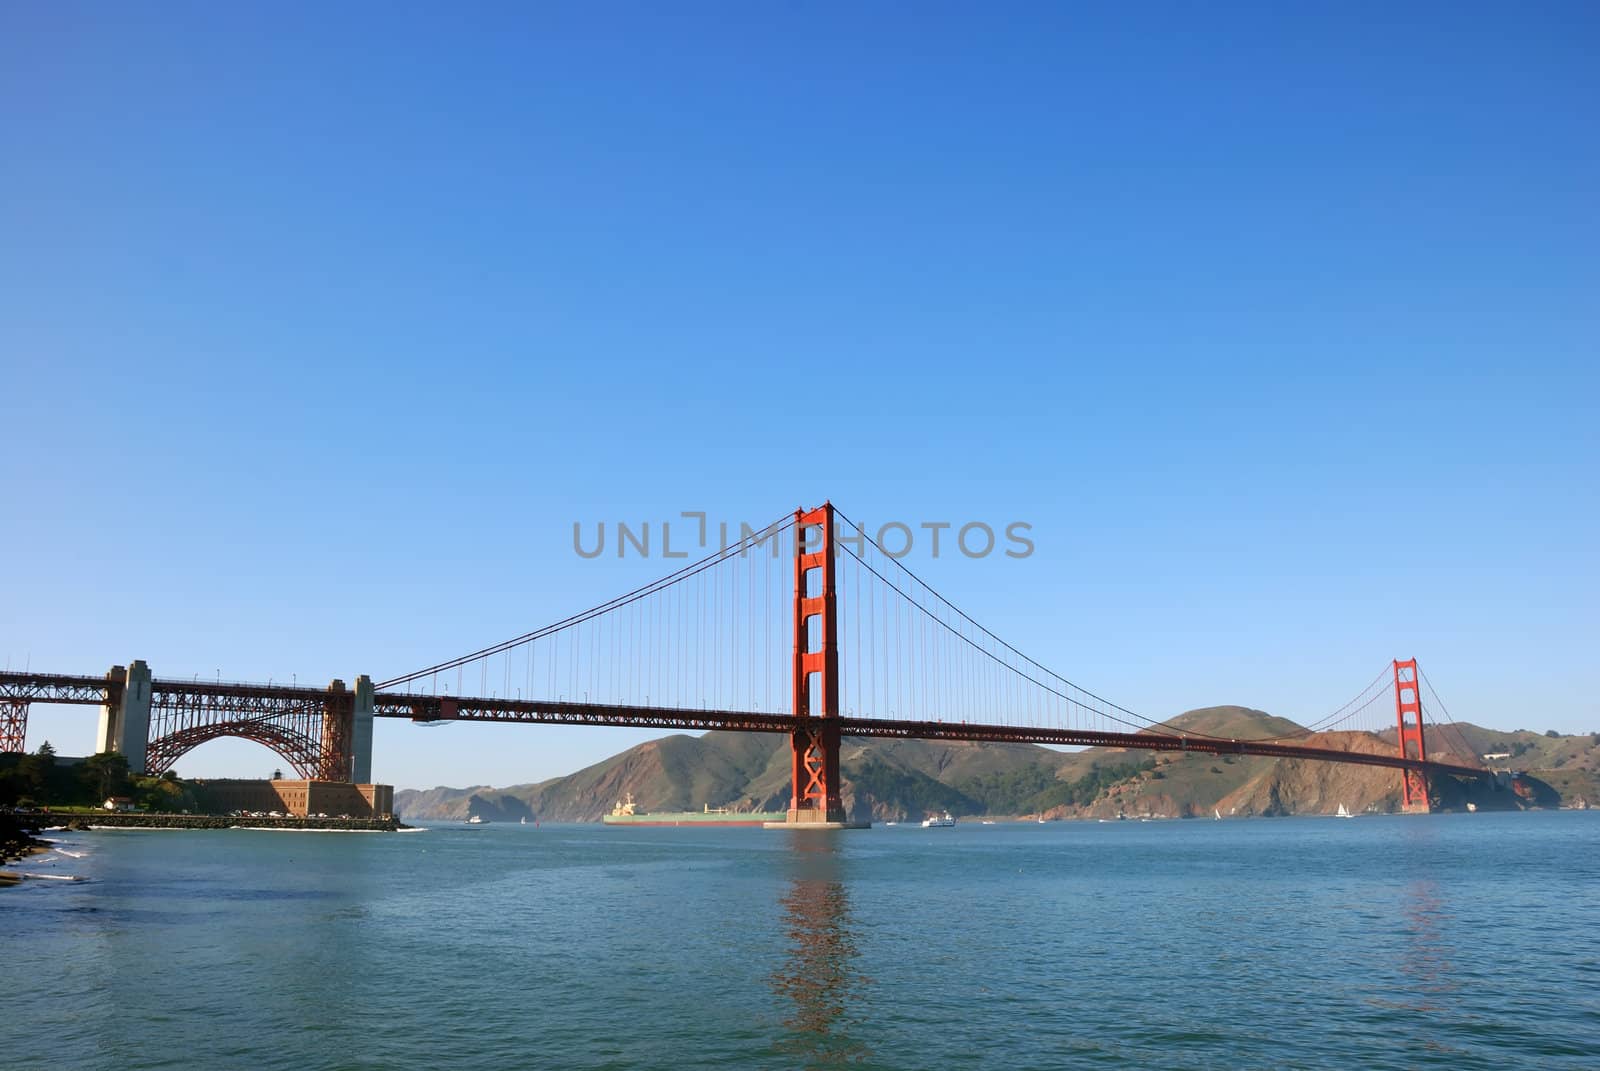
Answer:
(815, 744)
(1408, 701)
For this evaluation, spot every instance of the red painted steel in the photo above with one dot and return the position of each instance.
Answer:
(288, 720)
(814, 743)
(18, 691)
(268, 713)
(1408, 700)
(335, 756)
(13, 726)
(426, 708)
(61, 688)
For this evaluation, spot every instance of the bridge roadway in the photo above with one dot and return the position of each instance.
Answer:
(445, 708)
(258, 698)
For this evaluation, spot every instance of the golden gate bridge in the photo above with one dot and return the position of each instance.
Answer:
(806, 627)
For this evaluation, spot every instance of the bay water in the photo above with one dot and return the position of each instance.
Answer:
(1451, 941)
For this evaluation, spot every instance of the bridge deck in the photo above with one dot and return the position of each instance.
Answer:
(83, 690)
(53, 688)
(444, 708)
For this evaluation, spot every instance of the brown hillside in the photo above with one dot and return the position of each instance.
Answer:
(906, 778)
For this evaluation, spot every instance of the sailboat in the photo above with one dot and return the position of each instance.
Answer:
(1216, 814)
(1343, 813)
(524, 819)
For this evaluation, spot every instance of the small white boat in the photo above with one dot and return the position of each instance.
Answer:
(891, 823)
(477, 820)
(986, 822)
(938, 822)
(1217, 815)
(524, 819)
(1342, 812)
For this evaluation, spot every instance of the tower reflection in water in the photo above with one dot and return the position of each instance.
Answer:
(1426, 956)
(819, 975)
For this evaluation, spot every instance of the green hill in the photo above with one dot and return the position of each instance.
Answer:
(746, 772)
(1232, 723)
(905, 779)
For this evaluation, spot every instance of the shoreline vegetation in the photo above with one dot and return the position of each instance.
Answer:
(39, 792)
(39, 781)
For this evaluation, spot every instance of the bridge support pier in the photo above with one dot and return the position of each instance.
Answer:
(814, 748)
(361, 733)
(106, 738)
(125, 715)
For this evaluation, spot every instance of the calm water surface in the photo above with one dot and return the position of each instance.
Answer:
(1448, 941)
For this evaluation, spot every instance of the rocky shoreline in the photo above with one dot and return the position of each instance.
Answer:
(215, 821)
(17, 842)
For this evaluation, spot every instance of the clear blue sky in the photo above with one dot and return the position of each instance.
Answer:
(321, 325)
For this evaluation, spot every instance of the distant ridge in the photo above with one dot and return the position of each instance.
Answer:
(904, 779)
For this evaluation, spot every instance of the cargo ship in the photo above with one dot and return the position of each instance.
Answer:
(625, 813)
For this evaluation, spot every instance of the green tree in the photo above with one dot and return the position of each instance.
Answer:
(33, 772)
(105, 775)
(908, 789)
(1007, 792)
(1090, 786)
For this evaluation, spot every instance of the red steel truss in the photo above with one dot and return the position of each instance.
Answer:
(18, 691)
(308, 727)
(58, 688)
(13, 726)
(291, 721)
